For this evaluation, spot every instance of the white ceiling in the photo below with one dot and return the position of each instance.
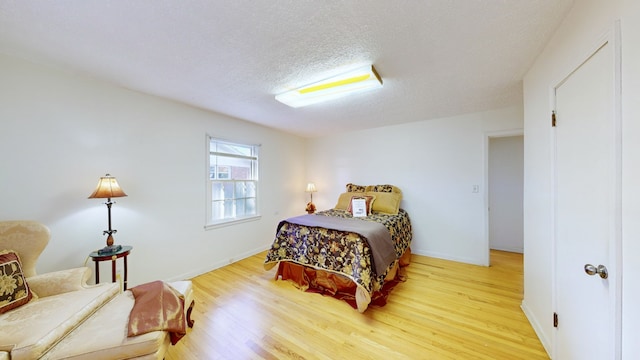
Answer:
(437, 58)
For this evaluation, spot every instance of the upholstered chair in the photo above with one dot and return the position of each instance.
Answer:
(28, 239)
(37, 316)
(65, 315)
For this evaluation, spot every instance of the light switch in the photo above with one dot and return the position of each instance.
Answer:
(476, 188)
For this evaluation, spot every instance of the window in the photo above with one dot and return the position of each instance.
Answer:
(232, 184)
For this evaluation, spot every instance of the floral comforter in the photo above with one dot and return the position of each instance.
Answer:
(338, 251)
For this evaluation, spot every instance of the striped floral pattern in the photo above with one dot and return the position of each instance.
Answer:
(355, 188)
(380, 188)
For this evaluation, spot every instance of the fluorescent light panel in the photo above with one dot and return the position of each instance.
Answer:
(358, 80)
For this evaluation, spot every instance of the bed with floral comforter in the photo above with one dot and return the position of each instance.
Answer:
(340, 262)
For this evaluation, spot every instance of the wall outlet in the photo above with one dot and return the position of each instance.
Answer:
(476, 188)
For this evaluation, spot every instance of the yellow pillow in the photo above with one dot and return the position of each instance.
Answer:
(344, 200)
(386, 202)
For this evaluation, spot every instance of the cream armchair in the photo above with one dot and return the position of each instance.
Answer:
(66, 318)
(29, 239)
(62, 300)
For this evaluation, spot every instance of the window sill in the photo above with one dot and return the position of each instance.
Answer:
(232, 222)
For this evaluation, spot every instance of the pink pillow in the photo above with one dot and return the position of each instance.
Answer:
(369, 201)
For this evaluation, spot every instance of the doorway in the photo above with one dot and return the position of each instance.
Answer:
(504, 176)
(506, 186)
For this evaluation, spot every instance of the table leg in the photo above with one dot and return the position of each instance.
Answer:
(125, 272)
(113, 269)
(97, 271)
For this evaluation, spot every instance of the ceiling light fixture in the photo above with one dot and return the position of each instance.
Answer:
(358, 80)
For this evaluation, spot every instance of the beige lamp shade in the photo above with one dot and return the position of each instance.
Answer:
(107, 188)
(311, 188)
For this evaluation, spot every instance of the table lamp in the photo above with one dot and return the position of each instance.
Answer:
(108, 188)
(311, 208)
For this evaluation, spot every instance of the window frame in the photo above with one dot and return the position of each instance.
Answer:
(212, 177)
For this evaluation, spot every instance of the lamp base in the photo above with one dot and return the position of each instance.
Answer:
(311, 208)
(110, 249)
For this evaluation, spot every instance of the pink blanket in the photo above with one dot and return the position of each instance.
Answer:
(157, 307)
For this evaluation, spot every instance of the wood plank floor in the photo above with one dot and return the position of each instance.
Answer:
(445, 310)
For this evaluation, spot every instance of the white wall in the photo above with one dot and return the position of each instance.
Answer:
(59, 133)
(436, 163)
(586, 23)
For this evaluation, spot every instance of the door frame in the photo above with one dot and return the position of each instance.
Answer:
(486, 260)
(611, 37)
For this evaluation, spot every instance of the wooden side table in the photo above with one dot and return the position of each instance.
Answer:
(122, 253)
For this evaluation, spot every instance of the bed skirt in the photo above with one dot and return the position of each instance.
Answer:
(341, 287)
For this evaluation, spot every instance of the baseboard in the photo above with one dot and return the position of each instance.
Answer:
(472, 261)
(508, 249)
(546, 343)
(217, 265)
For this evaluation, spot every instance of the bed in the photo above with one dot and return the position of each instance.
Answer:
(358, 259)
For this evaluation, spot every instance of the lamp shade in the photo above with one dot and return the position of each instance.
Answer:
(311, 187)
(107, 188)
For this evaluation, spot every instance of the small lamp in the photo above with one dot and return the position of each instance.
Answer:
(311, 208)
(108, 188)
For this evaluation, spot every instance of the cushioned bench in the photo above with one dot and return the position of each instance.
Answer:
(185, 288)
(104, 335)
(37, 326)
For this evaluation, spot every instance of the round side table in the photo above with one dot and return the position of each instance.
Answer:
(122, 253)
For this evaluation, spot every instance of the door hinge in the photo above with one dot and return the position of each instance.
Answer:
(555, 319)
(553, 119)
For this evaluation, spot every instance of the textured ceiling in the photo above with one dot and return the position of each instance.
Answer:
(437, 58)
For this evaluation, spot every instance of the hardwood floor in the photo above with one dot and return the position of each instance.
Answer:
(445, 310)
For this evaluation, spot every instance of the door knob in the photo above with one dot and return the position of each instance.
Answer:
(600, 270)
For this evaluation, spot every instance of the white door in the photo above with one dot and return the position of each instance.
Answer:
(586, 185)
(506, 181)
